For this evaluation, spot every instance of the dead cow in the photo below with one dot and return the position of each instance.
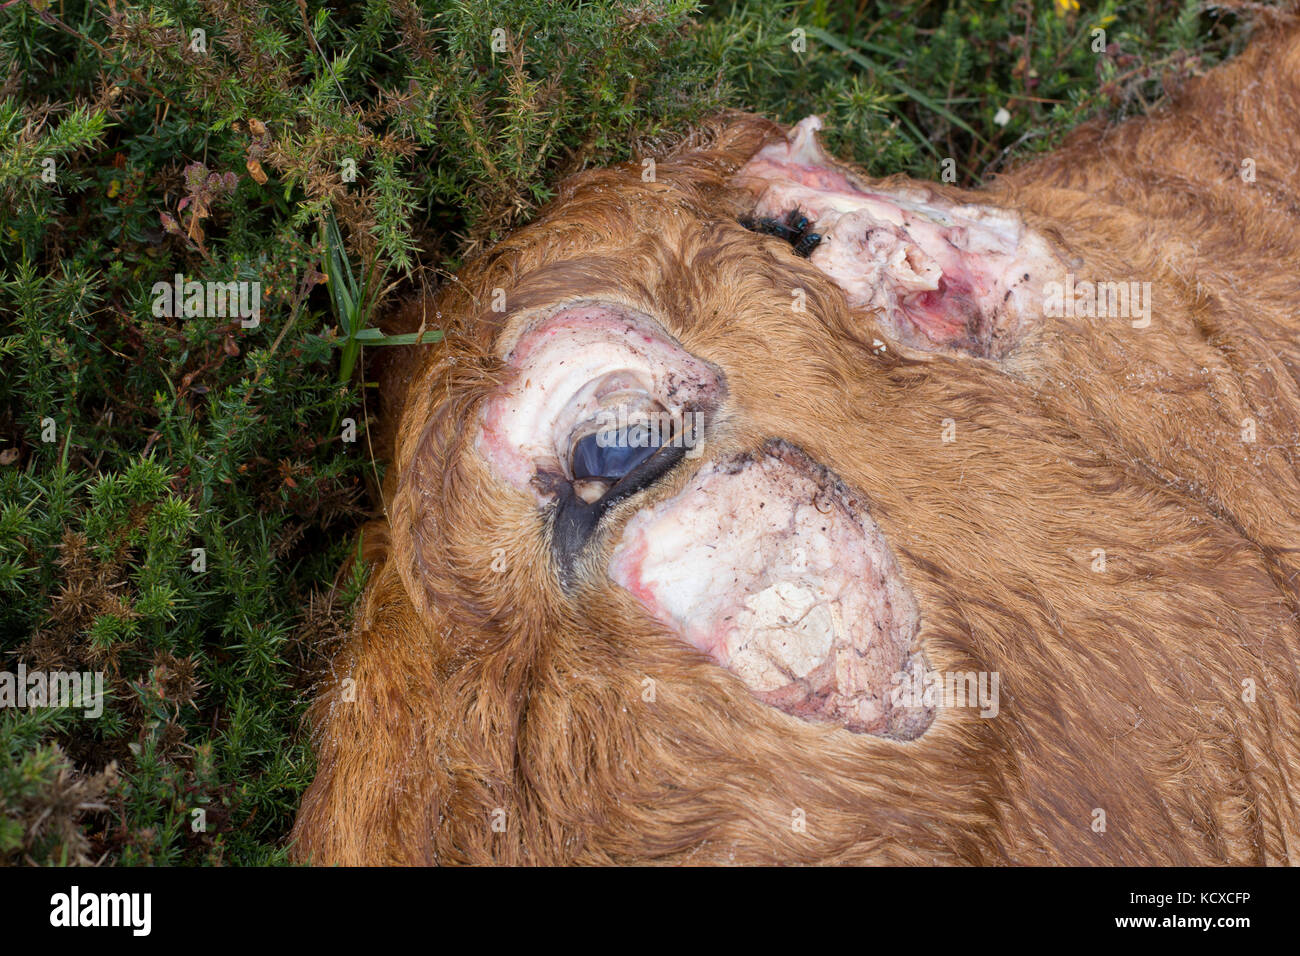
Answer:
(785, 515)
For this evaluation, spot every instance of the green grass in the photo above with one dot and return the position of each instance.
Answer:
(178, 492)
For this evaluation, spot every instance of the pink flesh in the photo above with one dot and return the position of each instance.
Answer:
(563, 366)
(772, 567)
(942, 275)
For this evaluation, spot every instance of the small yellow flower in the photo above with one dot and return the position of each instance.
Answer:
(114, 188)
(1064, 7)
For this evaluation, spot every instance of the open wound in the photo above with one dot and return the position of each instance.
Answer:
(771, 565)
(942, 276)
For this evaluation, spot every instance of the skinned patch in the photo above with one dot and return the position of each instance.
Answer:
(774, 568)
(943, 276)
(587, 360)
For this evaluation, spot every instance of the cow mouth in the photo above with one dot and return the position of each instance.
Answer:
(772, 566)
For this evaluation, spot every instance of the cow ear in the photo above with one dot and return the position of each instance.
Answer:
(941, 273)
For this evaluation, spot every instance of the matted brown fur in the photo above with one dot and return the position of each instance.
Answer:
(498, 718)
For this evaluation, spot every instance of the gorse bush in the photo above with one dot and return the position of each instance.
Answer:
(181, 483)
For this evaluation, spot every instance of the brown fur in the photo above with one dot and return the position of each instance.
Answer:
(478, 691)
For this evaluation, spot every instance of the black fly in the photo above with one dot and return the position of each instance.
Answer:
(793, 230)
